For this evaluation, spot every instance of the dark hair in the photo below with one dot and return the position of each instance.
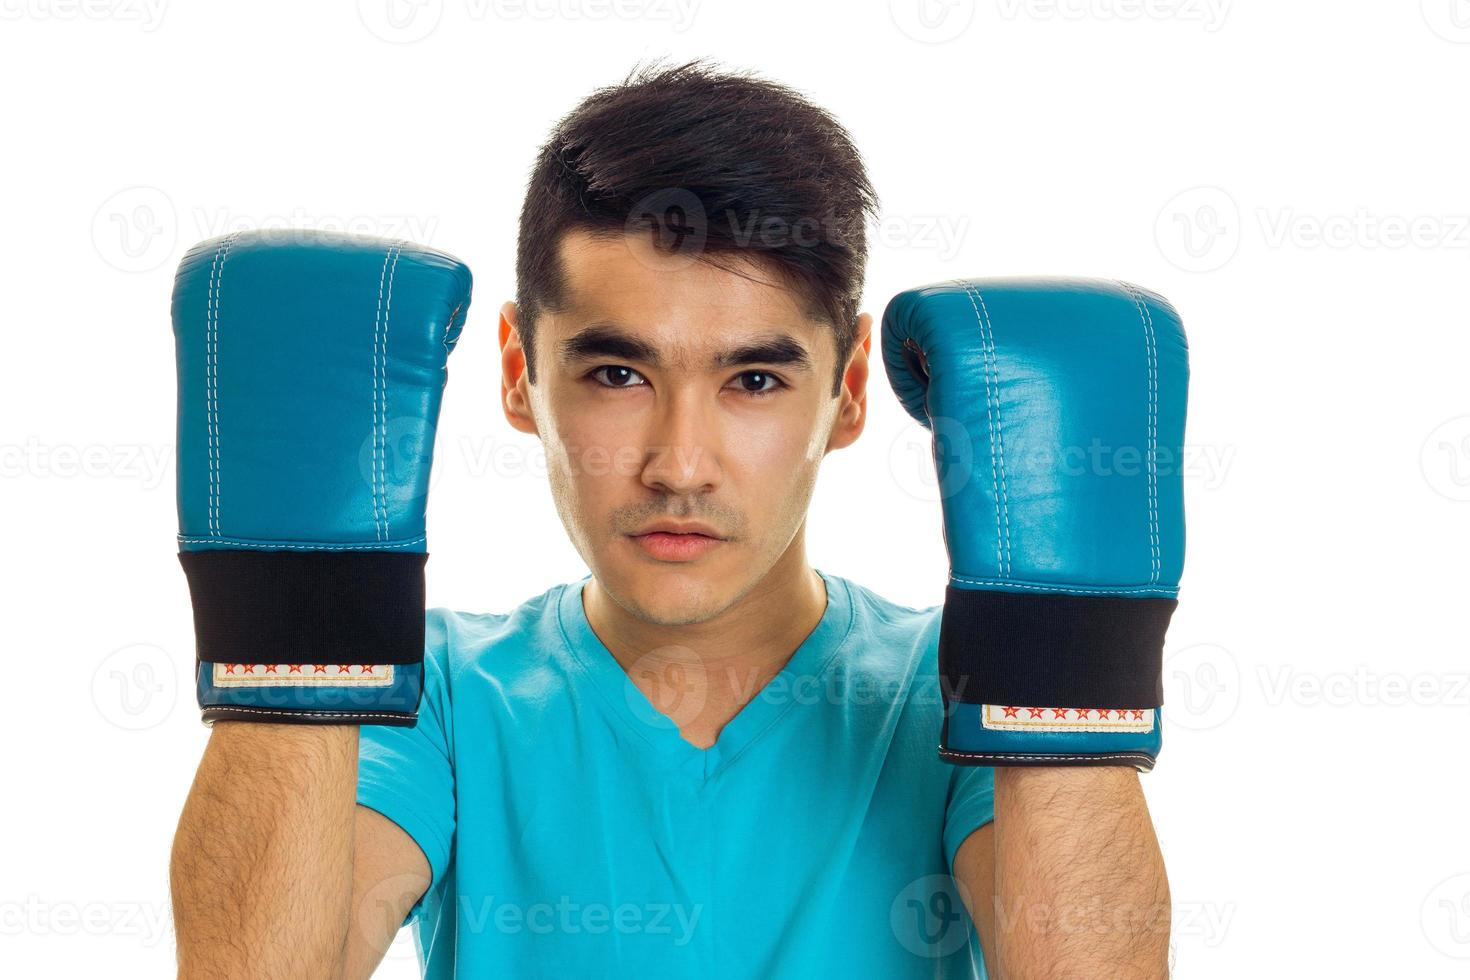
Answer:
(716, 164)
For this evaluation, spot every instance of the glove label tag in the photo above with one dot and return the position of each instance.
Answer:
(1015, 718)
(302, 675)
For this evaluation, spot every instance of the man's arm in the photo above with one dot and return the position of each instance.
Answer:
(261, 872)
(389, 874)
(1078, 887)
(276, 870)
(974, 869)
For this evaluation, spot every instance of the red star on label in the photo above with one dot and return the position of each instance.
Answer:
(270, 668)
(1082, 713)
(320, 669)
(344, 668)
(367, 668)
(249, 668)
(1036, 712)
(1010, 711)
(295, 668)
(1104, 714)
(1059, 712)
(1137, 714)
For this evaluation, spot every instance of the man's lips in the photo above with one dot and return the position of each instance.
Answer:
(664, 545)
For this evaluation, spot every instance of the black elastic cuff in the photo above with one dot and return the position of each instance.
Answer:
(230, 712)
(1080, 651)
(1141, 761)
(307, 607)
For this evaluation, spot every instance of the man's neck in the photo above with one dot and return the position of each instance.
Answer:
(701, 675)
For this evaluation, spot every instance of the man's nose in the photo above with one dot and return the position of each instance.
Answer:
(682, 454)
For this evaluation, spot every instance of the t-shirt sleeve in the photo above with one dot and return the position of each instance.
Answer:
(407, 774)
(971, 805)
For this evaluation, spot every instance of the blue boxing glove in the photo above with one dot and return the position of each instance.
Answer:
(310, 368)
(1057, 408)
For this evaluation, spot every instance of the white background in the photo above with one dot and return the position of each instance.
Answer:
(1291, 175)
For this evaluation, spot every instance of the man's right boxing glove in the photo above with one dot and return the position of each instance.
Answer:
(310, 368)
(1057, 407)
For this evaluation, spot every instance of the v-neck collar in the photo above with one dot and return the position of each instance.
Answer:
(808, 665)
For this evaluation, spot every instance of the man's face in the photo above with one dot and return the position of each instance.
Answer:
(674, 396)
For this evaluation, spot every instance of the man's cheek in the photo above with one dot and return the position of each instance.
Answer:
(773, 449)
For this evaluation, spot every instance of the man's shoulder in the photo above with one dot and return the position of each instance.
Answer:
(887, 635)
(456, 638)
(877, 613)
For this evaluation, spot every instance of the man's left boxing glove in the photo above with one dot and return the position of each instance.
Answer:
(1057, 408)
(310, 369)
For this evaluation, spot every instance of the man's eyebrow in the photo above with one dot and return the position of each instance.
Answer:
(603, 340)
(608, 341)
(779, 349)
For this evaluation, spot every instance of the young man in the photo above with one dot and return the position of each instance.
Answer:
(707, 758)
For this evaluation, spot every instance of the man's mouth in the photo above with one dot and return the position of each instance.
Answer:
(662, 545)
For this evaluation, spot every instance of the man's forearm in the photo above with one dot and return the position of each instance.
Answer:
(261, 872)
(1080, 887)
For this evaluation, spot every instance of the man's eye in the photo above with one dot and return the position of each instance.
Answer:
(758, 382)
(616, 376)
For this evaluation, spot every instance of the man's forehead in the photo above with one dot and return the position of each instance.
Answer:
(676, 300)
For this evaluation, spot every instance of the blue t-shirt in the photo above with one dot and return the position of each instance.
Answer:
(572, 832)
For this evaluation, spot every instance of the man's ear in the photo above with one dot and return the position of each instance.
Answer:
(515, 395)
(852, 413)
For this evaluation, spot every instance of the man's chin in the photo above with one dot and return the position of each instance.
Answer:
(667, 593)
